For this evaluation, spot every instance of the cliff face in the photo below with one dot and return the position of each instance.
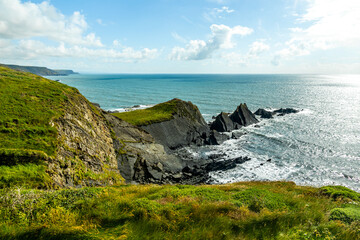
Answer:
(47, 123)
(42, 71)
(140, 158)
(85, 153)
(187, 126)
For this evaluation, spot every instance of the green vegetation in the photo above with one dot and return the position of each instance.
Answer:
(337, 192)
(28, 104)
(158, 113)
(349, 213)
(29, 107)
(252, 210)
(27, 176)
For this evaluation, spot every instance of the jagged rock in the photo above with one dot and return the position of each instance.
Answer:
(140, 157)
(283, 111)
(225, 164)
(243, 116)
(216, 138)
(237, 135)
(264, 113)
(222, 123)
(186, 127)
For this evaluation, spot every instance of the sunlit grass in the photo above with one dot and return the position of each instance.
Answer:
(255, 210)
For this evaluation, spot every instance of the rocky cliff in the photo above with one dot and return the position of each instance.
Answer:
(47, 123)
(42, 71)
(187, 126)
(76, 143)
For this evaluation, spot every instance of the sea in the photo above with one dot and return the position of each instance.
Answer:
(318, 146)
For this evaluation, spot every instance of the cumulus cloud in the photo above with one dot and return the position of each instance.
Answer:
(255, 50)
(220, 39)
(24, 20)
(32, 49)
(333, 24)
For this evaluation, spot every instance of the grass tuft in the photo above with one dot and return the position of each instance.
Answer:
(177, 212)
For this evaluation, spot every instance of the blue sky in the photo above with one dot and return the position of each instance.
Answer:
(183, 36)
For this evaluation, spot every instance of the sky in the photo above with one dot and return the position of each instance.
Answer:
(183, 36)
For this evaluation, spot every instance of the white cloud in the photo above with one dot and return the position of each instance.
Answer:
(220, 39)
(224, 9)
(333, 24)
(31, 49)
(217, 13)
(24, 20)
(256, 49)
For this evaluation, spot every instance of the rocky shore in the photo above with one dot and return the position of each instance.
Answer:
(168, 162)
(72, 142)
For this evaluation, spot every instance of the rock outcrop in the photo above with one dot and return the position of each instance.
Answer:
(283, 111)
(82, 145)
(264, 113)
(186, 127)
(243, 116)
(279, 112)
(140, 158)
(85, 154)
(222, 123)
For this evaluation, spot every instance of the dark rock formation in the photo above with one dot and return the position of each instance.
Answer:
(283, 111)
(225, 164)
(140, 158)
(187, 127)
(242, 116)
(264, 113)
(222, 123)
(216, 138)
(279, 112)
(237, 135)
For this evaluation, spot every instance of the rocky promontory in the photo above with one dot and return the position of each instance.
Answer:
(74, 143)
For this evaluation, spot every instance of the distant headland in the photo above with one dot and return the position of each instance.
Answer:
(42, 71)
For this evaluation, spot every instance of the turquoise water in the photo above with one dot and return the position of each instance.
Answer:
(318, 146)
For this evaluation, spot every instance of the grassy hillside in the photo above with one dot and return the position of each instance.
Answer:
(28, 104)
(253, 210)
(31, 149)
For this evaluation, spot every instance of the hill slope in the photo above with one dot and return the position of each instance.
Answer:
(43, 71)
(49, 123)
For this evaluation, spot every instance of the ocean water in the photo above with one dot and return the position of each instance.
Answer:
(318, 146)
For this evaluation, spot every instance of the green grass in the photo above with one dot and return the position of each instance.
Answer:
(337, 192)
(158, 113)
(28, 104)
(283, 211)
(27, 176)
(349, 213)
